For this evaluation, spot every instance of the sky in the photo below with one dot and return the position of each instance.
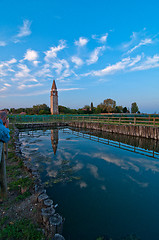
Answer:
(93, 49)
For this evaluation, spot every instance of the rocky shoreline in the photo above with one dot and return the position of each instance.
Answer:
(50, 222)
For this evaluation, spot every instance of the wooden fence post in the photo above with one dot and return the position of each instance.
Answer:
(134, 120)
(6, 150)
(154, 122)
(3, 179)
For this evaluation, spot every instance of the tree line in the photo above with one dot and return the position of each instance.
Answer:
(107, 106)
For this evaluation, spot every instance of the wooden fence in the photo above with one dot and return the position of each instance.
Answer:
(117, 120)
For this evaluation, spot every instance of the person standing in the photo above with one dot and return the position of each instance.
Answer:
(4, 127)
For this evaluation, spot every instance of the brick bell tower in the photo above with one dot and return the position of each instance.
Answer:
(54, 99)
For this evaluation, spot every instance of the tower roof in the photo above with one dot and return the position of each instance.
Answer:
(54, 86)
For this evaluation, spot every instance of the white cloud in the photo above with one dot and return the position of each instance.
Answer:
(128, 64)
(3, 43)
(36, 63)
(150, 62)
(62, 69)
(52, 53)
(24, 71)
(69, 89)
(36, 93)
(78, 61)
(23, 86)
(3, 89)
(30, 55)
(95, 55)
(12, 61)
(66, 73)
(81, 42)
(142, 43)
(8, 63)
(135, 60)
(60, 65)
(113, 68)
(25, 29)
(5, 67)
(7, 85)
(133, 37)
(24, 79)
(101, 39)
(124, 64)
(45, 71)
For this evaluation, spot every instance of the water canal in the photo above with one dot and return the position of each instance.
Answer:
(101, 189)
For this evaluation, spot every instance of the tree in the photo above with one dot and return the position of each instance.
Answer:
(92, 106)
(118, 109)
(87, 109)
(97, 109)
(108, 105)
(125, 110)
(134, 108)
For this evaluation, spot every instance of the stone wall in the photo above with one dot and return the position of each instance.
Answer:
(131, 130)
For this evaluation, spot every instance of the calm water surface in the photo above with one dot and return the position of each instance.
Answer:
(101, 190)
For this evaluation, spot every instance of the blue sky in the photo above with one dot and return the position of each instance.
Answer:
(93, 49)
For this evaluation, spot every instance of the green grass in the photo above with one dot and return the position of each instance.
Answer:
(22, 229)
(3, 220)
(20, 163)
(11, 154)
(23, 196)
(14, 170)
(22, 182)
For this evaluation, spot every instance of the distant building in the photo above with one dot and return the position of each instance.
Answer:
(23, 113)
(54, 99)
(5, 110)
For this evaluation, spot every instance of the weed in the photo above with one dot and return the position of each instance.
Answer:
(23, 196)
(22, 229)
(3, 220)
(11, 168)
(11, 155)
(21, 183)
(20, 163)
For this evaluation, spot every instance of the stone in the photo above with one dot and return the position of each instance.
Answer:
(47, 213)
(42, 197)
(56, 224)
(58, 237)
(48, 203)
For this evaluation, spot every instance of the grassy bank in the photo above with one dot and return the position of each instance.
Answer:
(19, 212)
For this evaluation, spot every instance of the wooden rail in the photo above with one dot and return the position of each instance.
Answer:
(116, 120)
(144, 121)
(3, 181)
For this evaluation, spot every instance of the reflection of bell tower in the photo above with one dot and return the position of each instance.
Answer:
(54, 139)
(54, 99)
